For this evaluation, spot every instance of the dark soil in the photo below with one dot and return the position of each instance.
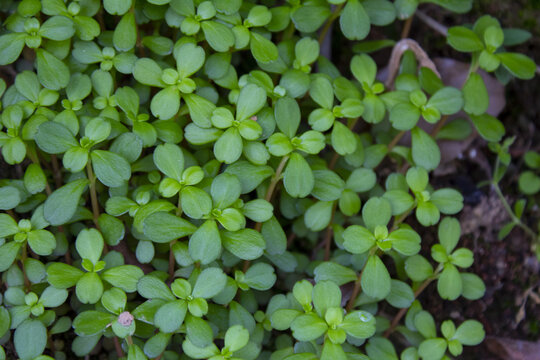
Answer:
(511, 306)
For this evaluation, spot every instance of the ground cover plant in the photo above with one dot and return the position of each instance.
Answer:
(189, 179)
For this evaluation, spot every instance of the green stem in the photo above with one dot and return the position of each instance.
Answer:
(276, 178)
(417, 293)
(328, 24)
(93, 193)
(511, 213)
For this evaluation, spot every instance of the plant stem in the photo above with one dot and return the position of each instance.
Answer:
(117, 347)
(403, 311)
(329, 22)
(329, 232)
(276, 178)
(407, 27)
(93, 193)
(395, 140)
(511, 213)
(57, 173)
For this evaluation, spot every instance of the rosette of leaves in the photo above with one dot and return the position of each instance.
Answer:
(25, 232)
(113, 315)
(110, 168)
(88, 282)
(451, 283)
(168, 308)
(222, 207)
(428, 204)
(376, 214)
(175, 84)
(468, 333)
(486, 41)
(315, 312)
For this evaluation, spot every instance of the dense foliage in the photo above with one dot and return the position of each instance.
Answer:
(193, 180)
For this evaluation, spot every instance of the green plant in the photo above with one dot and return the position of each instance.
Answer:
(172, 164)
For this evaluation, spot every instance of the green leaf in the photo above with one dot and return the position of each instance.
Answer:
(225, 190)
(401, 295)
(236, 338)
(358, 239)
(449, 284)
(91, 322)
(375, 278)
(529, 183)
(308, 327)
(448, 201)
(63, 276)
(334, 272)
(218, 36)
(189, 59)
(427, 213)
(52, 73)
(449, 232)
(169, 159)
(61, 205)
(287, 115)
(10, 197)
(30, 339)
(124, 277)
(330, 351)
(470, 333)
(147, 72)
(110, 168)
(318, 216)
(343, 139)
(519, 65)
(246, 244)
(8, 226)
(150, 287)
(250, 100)
(298, 177)
(425, 151)
(432, 349)
(209, 283)
(360, 324)
(89, 288)
(475, 95)
(54, 138)
(263, 50)
(354, 21)
(361, 180)
(11, 46)
(418, 268)
(464, 40)
(447, 100)
(260, 276)
(364, 69)
(116, 8)
(195, 202)
(205, 243)
(162, 227)
(8, 253)
(229, 146)
(57, 28)
(376, 211)
(170, 316)
(42, 242)
(125, 33)
(405, 241)
(381, 348)
(166, 103)
(489, 127)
